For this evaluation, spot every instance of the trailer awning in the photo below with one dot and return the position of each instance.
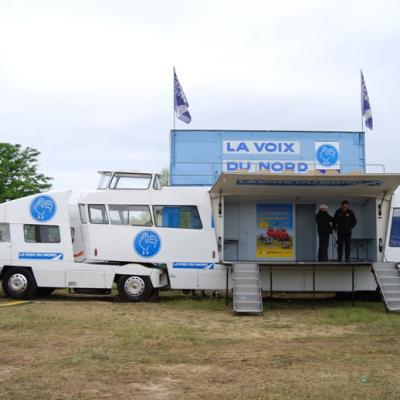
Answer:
(304, 185)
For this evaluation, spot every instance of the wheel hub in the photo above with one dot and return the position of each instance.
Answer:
(134, 286)
(18, 283)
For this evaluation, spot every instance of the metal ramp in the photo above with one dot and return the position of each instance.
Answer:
(247, 294)
(387, 277)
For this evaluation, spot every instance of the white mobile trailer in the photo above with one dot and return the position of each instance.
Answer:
(36, 254)
(130, 226)
(239, 200)
(179, 220)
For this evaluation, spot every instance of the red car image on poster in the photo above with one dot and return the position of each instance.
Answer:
(278, 234)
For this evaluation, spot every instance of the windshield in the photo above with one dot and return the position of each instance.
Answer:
(130, 181)
(104, 180)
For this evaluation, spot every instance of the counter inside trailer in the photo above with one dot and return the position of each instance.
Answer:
(271, 229)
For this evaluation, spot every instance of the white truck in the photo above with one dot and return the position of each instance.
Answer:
(119, 233)
(130, 228)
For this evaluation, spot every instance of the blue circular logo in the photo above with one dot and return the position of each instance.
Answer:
(327, 155)
(147, 243)
(43, 208)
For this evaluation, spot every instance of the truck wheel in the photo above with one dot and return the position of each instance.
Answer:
(19, 283)
(134, 287)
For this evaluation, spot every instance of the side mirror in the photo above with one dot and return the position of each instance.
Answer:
(380, 245)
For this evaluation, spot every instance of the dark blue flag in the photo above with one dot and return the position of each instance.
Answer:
(180, 102)
(365, 106)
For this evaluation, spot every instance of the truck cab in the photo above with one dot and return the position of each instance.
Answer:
(39, 238)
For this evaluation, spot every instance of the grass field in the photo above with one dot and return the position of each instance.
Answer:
(70, 347)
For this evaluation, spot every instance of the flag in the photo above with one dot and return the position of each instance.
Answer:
(365, 106)
(180, 102)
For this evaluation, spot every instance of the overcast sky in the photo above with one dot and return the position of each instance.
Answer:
(89, 82)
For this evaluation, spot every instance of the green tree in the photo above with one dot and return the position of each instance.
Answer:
(18, 172)
(164, 177)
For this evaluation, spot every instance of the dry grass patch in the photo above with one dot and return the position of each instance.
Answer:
(68, 347)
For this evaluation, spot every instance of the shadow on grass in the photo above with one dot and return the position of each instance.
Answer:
(280, 302)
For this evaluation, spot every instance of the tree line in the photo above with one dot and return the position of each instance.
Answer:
(19, 174)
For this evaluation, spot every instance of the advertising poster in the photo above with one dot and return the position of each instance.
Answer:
(275, 227)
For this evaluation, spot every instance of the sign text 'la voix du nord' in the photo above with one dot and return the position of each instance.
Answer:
(261, 147)
(249, 147)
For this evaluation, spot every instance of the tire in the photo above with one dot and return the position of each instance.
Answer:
(19, 283)
(134, 288)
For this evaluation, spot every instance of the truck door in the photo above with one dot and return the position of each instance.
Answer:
(392, 250)
(5, 244)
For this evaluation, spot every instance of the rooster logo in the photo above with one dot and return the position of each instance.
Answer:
(327, 155)
(43, 208)
(147, 243)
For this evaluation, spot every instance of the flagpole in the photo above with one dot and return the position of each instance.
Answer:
(173, 93)
(361, 91)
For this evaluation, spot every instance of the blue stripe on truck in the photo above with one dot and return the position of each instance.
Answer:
(192, 265)
(29, 255)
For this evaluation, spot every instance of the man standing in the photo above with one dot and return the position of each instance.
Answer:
(344, 221)
(324, 228)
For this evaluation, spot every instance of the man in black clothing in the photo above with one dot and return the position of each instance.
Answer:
(324, 228)
(344, 221)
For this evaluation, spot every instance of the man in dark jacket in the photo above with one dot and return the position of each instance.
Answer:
(324, 228)
(344, 221)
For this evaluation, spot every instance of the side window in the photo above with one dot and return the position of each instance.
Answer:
(4, 232)
(105, 178)
(140, 215)
(97, 214)
(394, 239)
(82, 213)
(185, 217)
(130, 215)
(41, 233)
(157, 182)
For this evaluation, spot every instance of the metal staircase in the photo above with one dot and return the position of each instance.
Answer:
(387, 276)
(247, 295)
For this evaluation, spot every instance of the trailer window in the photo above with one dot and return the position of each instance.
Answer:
(130, 215)
(105, 178)
(394, 240)
(82, 213)
(4, 232)
(41, 233)
(157, 183)
(186, 217)
(98, 214)
(130, 181)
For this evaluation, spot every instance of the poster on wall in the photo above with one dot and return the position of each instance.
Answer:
(275, 227)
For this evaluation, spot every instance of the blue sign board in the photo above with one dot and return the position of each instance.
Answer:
(327, 155)
(147, 243)
(192, 265)
(198, 157)
(34, 255)
(43, 208)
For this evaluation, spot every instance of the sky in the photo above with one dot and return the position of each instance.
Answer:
(89, 82)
